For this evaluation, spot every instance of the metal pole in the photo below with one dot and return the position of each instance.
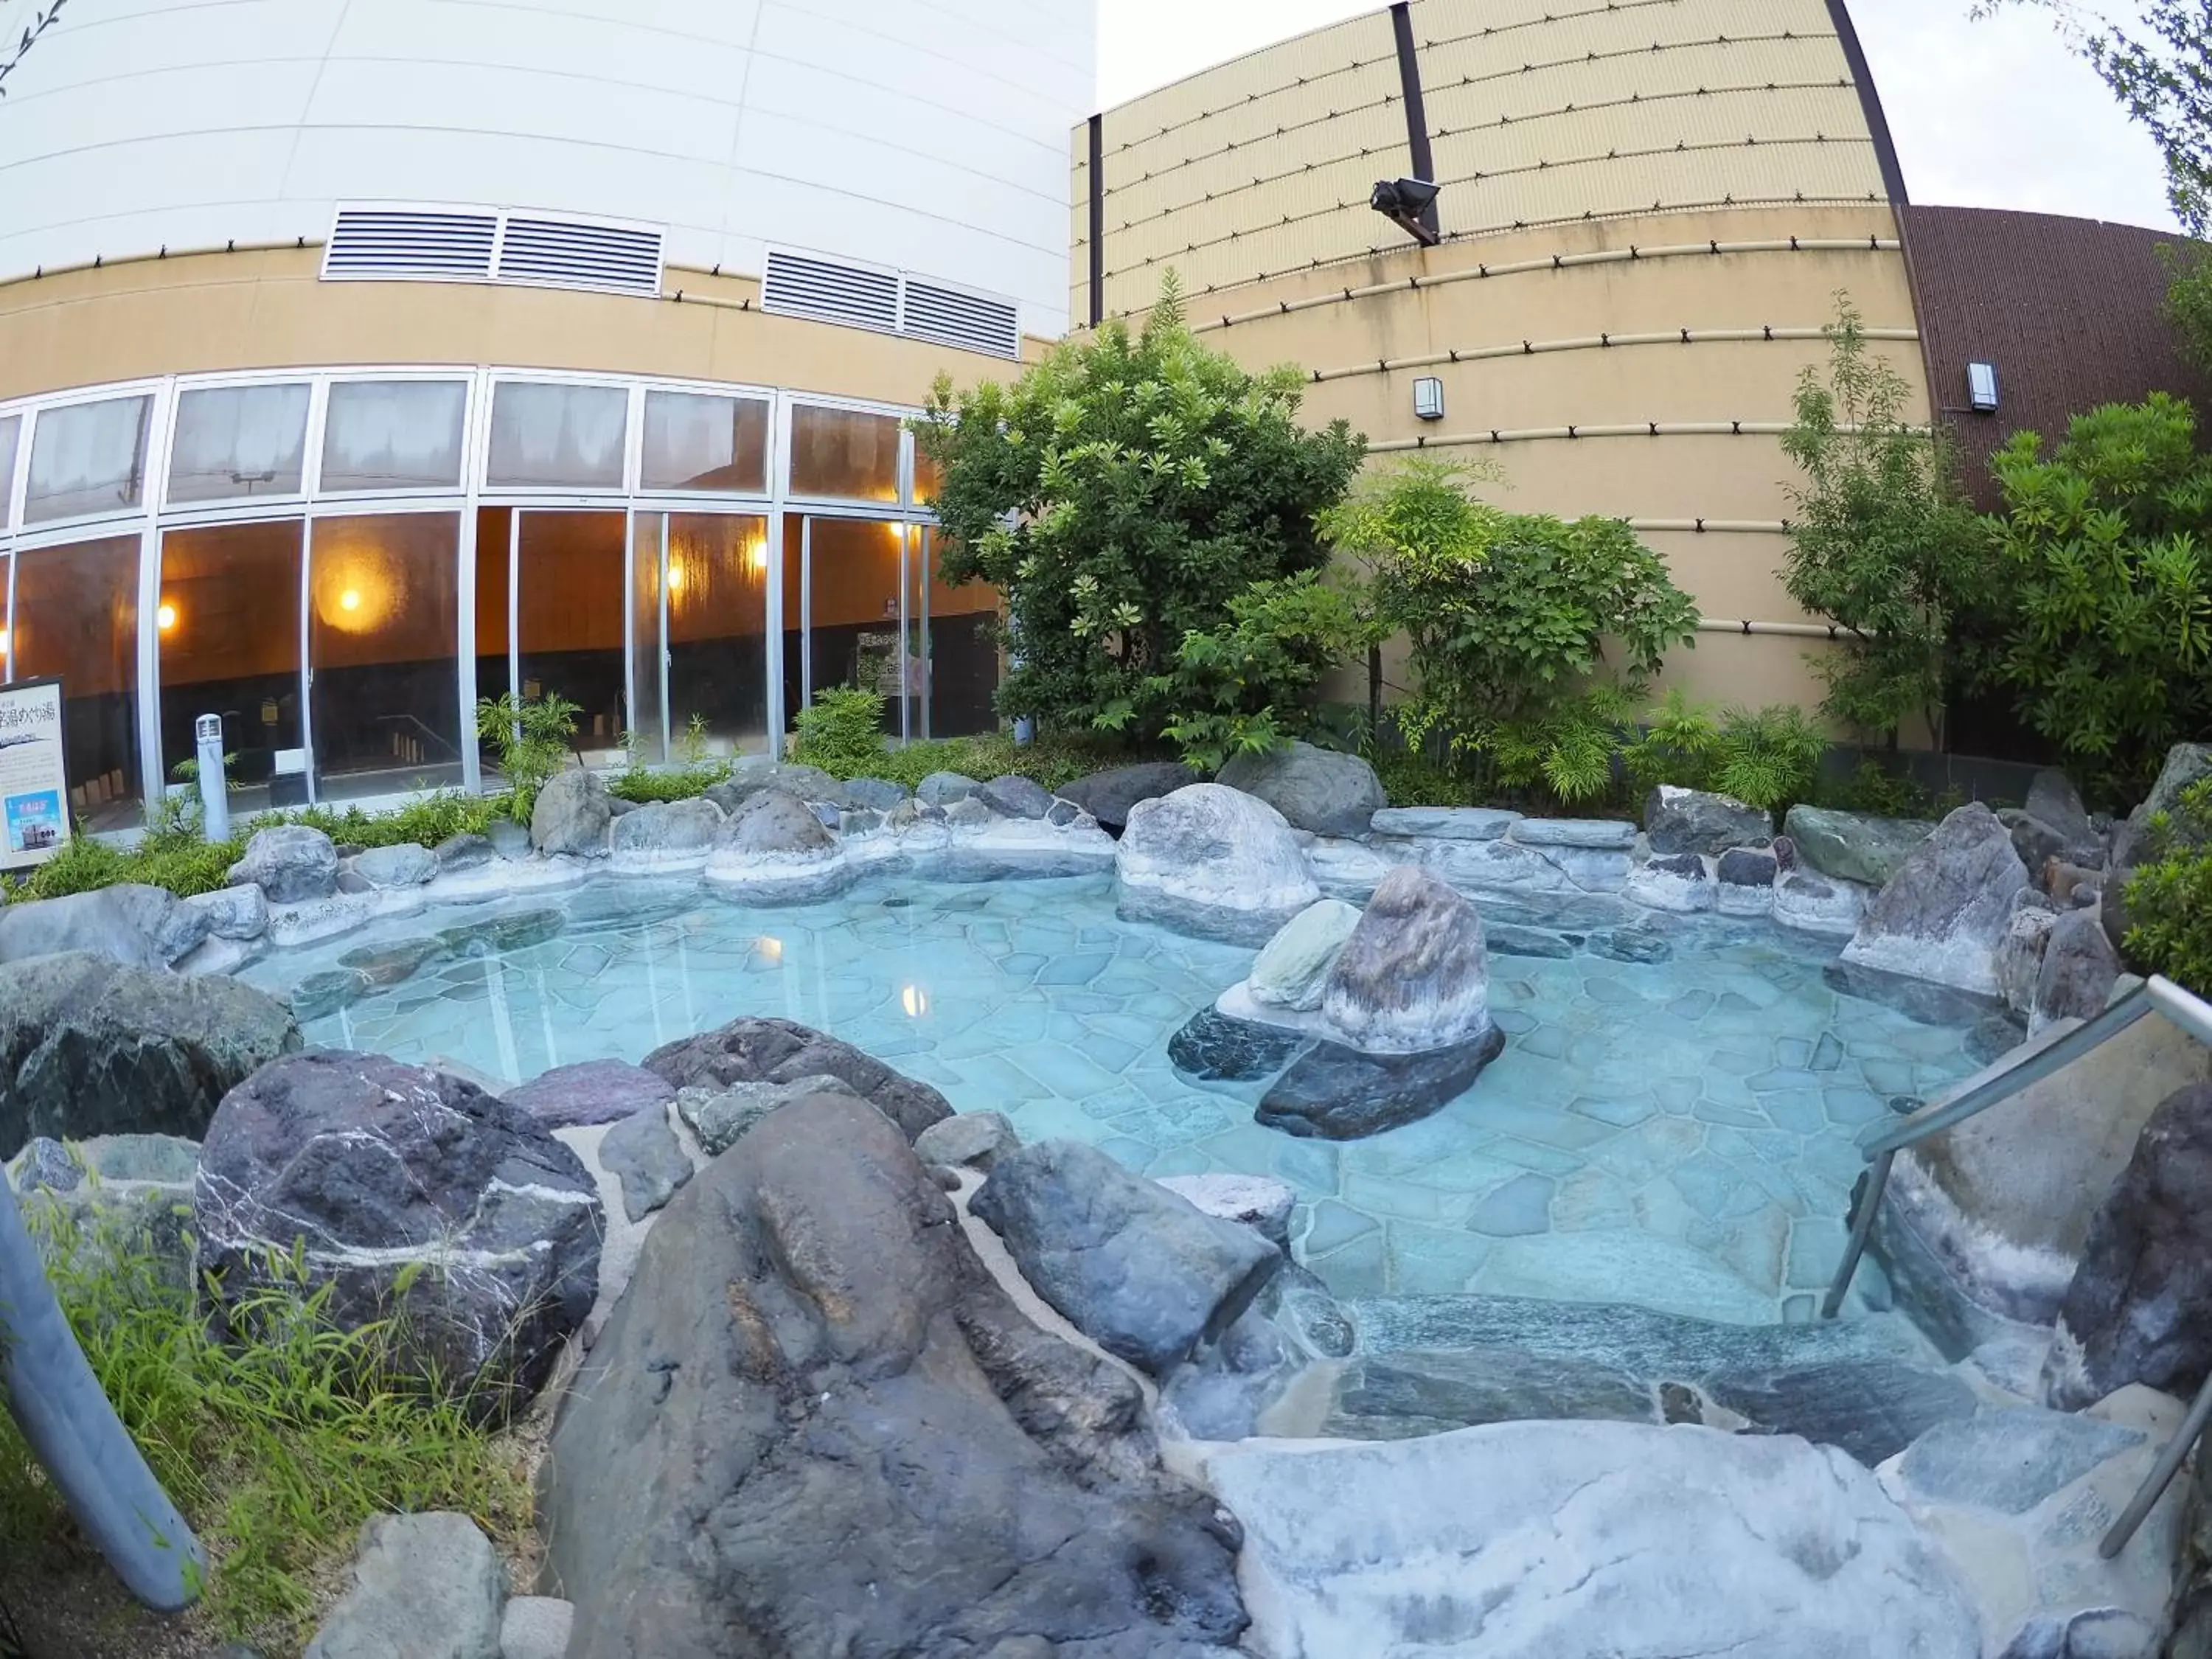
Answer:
(1862, 1230)
(2162, 1475)
(71, 1429)
(214, 788)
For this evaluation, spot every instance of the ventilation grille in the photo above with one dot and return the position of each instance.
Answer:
(891, 302)
(967, 320)
(444, 245)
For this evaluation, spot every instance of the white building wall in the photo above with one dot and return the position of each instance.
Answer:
(925, 134)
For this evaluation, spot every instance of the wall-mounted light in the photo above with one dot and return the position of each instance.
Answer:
(1405, 203)
(350, 599)
(1982, 388)
(1429, 398)
(165, 617)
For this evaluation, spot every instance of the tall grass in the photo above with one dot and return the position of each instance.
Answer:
(277, 1438)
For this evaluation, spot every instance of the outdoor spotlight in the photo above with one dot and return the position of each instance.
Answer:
(1982, 387)
(1410, 204)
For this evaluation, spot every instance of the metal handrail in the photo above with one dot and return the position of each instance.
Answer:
(2154, 995)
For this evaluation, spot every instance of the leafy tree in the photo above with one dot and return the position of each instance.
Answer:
(34, 20)
(1121, 494)
(2171, 894)
(531, 738)
(1255, 684)
(1883, 543)
(1511, 617)
(2109, 579)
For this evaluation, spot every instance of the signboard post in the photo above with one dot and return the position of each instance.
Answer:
(34, 822)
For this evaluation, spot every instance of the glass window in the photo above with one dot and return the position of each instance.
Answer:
(11, 432)
(394, 434)
(570, 580)
(845, 453)
(928, 477)
(960, 635)
(494, 667)
(235, 441)
(383, 617)
(854, 571)
(695, 442)
(647, 532)
(76, 620)
(87, 458)
(229, 628)
(717, 634)
(549, 436)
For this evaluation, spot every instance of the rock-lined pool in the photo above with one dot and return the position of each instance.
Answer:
(1672, 1123)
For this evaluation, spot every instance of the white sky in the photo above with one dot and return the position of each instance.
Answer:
(1985, 114)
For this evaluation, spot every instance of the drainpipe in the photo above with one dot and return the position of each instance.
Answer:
(72, 1430)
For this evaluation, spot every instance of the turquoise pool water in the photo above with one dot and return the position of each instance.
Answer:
(1676, 1134)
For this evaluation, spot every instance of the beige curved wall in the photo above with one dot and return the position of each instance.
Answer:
(268, 309)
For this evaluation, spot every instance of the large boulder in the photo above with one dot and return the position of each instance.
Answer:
(761, 1050)
(90, 1046)
(403, 864)
(1292, 971)
(2140, 1307)
(590, 1092)
(1583, 1540)
(1014, 796)
(1214, 862)
(290, 863)
(1945, 911)
(774, 849)
(1140, 1270)
(363, 1169)
(1107, 796)
(571, 814)
(667, 831)
(815, 1425)
(1854, 845)
(1698, 821)
(106, 920)
(1317, 789)
(239, 914)
(1414, 975)
(424, 1586)
(2076, 976)
(1333, 1092)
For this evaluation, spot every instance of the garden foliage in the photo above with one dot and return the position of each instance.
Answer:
(1768, 757)
(2171, 894)
(532, 737)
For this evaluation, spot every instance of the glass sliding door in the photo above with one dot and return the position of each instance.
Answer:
(76, 620)
(383, 615)
(960, 635)
(571, 584)
(494, 603)
(228, 632)
(714, 630)
(855, 578)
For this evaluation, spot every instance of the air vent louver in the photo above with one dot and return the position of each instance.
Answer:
(564, 254)
(369, 242)
(803, 285)
(967, 320)
(440, 244)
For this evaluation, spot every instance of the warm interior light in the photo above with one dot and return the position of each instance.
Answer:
(4, 641)
(756, 555)
(675, 578)
(350, 599)
(915, 1001)
(167, 617)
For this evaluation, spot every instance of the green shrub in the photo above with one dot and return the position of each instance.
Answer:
(531, 738)
(424, 823)
(841, 732)
(181, 861)
(1120, 494)
(2170, 897)
(276, 1445)
(1889, 792)
(1511, 617)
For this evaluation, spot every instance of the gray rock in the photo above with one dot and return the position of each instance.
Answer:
(1412, 1392)
(1598, 835)
(1140, 1270)
(643, 1153)
(1063, 813)
(1107, 796)
(590, 1092)
(1259, 1202)
(1316, 789)
(102, 920)
(177, 928)
(91, 1047)
(620, 807)
(942, 788)
(668, 828)
(2017, 964)
(718, 1117)
(1015, 797)
(1292, 971)
(1854, 845)
(2140, 1307)
(358, 1167)
(131, 1195)
(2036, 842)
(1945, 910)
(1698, 821)
(1815, 906)
(2078, 968)
(319, 995)
(290, 862)
(1334, 1093)
(1212, 1046)
(1413, 975)
(815, 1425)
(973, 1140)
(353, 882)
(1504, 938)
(773, 822)
(2053, 799)
(1446, 822)
(2008, 1461)
(424, 1586)
(1214, 861)
(876, 794)
(47, 1164)
(757, 1050)
(1871, 1408)
(233, 913)
(571, 815)
(809, 783)
(1583, 1540)
(1676, 881)
(1746, 876)
(402, 866)
(510, 840)
(536, 1627)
